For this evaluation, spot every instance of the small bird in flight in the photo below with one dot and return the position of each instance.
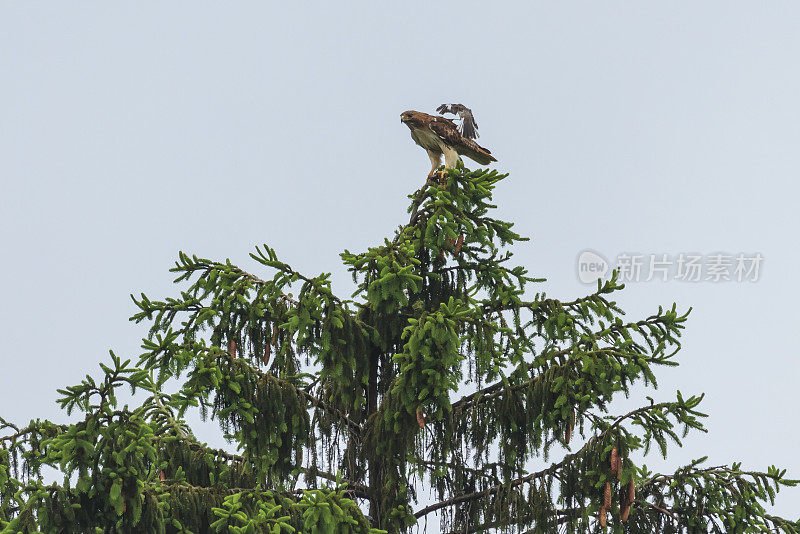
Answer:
(468, 127)
(440, 136)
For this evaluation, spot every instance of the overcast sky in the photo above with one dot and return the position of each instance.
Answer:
(131, 131)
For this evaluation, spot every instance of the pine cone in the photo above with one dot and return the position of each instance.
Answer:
(603, 517)
(625, 501)
(161, 476)
(607, 495)
(624, 513)
(274, 334)
(626, 498)
(619, 465)
(232, 348)
(420, 418)
(568, 433)
(459, 243)
(267, 352)
(614, 462)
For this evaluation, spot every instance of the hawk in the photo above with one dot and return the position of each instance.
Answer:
(468, 127)
(438, 135)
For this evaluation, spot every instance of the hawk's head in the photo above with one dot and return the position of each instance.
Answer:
(412, 119)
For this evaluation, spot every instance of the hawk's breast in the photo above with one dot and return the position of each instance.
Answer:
(427, 139)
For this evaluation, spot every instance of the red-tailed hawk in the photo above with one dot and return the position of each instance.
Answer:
(438, 135)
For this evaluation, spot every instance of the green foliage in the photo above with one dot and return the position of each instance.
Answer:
(234, 519)
(442, 372)
(429, 364)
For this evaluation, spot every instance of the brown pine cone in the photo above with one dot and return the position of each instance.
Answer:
(161, 476)
(603, 517)
(624, 513)
(607, 495)
(232, 348)
(267, 352)
(274, 334)
(568, 433)
(614, 462)
(459, 243)
(631, 491)
(420, 418)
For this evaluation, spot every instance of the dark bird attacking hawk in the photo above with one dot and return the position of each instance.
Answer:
(468, 127)
(440, 136)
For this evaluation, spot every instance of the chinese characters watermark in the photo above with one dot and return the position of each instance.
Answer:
(682, 267)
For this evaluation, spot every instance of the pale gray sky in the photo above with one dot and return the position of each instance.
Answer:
(131, 131)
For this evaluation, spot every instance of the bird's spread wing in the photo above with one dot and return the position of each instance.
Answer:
(445, 108)
(469, 126)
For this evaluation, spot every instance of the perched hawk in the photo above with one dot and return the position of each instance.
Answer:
(438, 135)
(468, 127)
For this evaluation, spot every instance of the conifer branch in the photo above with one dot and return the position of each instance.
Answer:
(316, 402)
(319, 403)
(498, 388)
(549, 471)
(24, 432)
(490, 491)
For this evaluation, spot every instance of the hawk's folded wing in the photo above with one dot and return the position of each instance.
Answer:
(448, 132)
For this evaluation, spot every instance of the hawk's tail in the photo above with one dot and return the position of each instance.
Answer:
(476, 152)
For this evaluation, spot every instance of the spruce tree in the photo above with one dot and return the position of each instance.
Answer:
(444, 373)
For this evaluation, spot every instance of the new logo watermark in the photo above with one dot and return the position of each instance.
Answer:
(682, 267)
(591, 266)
